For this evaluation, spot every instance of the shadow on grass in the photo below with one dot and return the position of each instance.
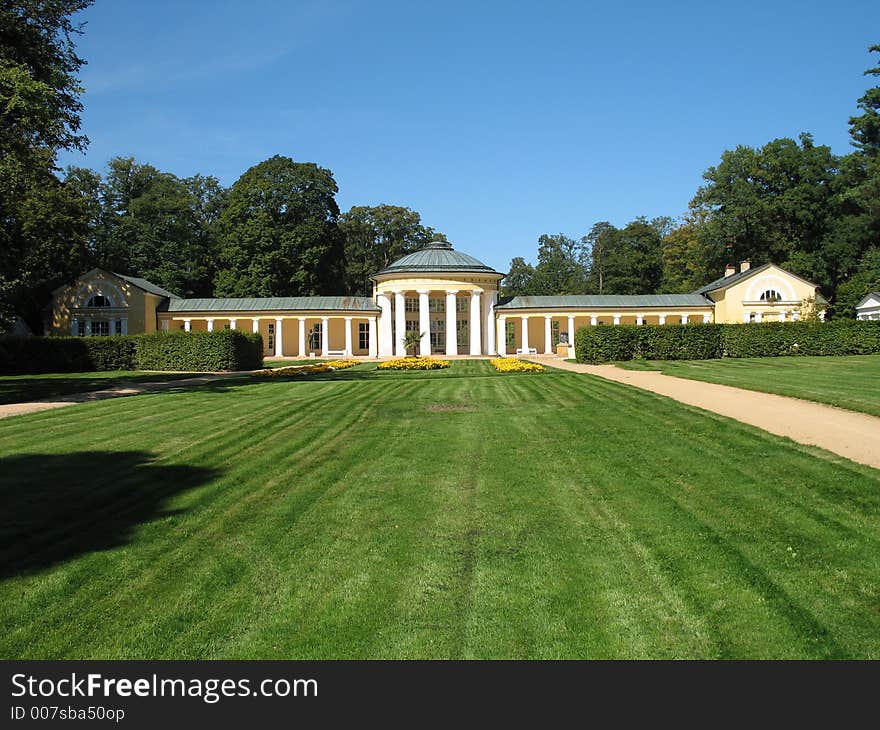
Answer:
(54, 507)
(21, 389)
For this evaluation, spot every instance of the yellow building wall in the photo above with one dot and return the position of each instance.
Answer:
(138, 307)
(414, 283)
(733, 304)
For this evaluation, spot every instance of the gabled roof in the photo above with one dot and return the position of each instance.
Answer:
(439, 257)
(147, 286)
(143, 284)
(599, 301)
(725, 282)
(259, 304)
(869, 295)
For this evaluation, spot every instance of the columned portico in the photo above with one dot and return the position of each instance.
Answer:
(279, 346)
(424, 323)
(452, 322)
(490, 322)
(348, 351)
(386, 344)
(399, 323)
(372, 350)
(476, 335)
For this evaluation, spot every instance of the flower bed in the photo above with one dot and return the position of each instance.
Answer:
(512, 365)
(295, 370)
(413, 363)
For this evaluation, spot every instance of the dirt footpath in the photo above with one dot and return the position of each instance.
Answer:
(18, 409)
(847, 433)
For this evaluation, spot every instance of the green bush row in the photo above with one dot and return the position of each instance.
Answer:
(711, 341)
(196, 351)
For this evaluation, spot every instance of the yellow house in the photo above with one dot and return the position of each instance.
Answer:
(447, 296)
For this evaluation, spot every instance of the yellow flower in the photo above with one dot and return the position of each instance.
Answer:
(513, 365)
(295, 370)
(413, 363)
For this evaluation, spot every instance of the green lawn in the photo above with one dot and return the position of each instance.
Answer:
(21, 388)
(847, 382)
(459, 513)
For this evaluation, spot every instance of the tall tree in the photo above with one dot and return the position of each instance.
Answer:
(42, 223)
(278, 233)
(153, 224)
(599, 244)
(560, 269)
(865, 128)
(520, 279)
(374, 236)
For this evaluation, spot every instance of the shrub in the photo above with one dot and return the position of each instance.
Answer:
(711, 341)
(199, 351)
(65, 354)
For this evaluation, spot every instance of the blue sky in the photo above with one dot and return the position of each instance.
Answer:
(497, 121)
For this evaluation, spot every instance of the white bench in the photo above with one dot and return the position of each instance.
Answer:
(334, 353)
(527, 351)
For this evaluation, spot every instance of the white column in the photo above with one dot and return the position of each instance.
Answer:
(187, 326)
(124, 321)
(782, 316)
(548, 335)
(594, 321)
(746, 318)
(640, 319)
(707, 318)
(795, 316)
(256, 325)
(279, 348)
(661, 319)
(210, 325)
(424, 324)
(822, 316)
(684, 319)
(451, 322)
(525, 334)
(476, 329)
(502, 335)
(325, 335)
(302, 337)
(491, 301)
(571, 337)
(74, 326)
(399, 323)
(348, 336)
(386, 343)
(372, 338)
(232, 323)
(616, 319)
(759, 317)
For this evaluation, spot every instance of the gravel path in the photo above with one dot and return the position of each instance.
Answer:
(855, 436)
(18, 409)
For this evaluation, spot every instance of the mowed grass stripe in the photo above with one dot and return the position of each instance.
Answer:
(558, 516)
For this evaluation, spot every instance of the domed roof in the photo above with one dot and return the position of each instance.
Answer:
(437, 256)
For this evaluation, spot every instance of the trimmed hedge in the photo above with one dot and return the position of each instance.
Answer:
(712, 341)
(196, 351)
(211, 351)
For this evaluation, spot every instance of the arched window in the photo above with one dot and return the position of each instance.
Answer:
(98, 300)
(771, 295)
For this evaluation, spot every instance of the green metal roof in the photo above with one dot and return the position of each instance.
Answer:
(260, 304)
(606, 301)
(147, 286)
(437, 256)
